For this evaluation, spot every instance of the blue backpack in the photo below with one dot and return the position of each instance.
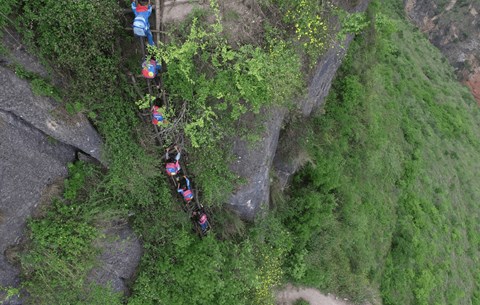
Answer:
(140, 26)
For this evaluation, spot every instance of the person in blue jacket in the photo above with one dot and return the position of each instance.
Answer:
(141, 26)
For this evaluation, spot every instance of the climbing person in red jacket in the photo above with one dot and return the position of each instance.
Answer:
(185, 189)
(141, 26)
(201, 218)
(172, 157)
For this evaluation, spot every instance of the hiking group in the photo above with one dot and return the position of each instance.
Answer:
(184, 188)
(142, 9)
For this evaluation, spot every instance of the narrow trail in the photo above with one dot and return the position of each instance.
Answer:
(290, 294)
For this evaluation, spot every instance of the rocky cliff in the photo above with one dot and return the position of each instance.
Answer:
(453, 27)
(37, 140)
(255, 163)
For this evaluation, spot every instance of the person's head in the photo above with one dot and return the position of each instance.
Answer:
(143, 2)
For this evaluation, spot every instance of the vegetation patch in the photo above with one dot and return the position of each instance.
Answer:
(388, 200)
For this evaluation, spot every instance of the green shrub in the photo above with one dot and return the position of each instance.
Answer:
(301, 302)
(308, 20)
(6, 8)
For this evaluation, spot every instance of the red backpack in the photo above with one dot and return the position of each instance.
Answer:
(187, 195)
(172, 168)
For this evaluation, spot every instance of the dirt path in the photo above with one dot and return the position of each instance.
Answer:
(290, 294)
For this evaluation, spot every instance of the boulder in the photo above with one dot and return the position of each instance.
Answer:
(42, 112)
(120, 254)
(46, 115)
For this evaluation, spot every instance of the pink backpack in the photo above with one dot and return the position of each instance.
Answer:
(203, 219)
(172, 168)
(187, 195)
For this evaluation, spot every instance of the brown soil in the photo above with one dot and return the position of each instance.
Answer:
(474, 84)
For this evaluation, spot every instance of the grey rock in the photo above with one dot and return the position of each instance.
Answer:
(253, 162)
(37, 139)
(321, 81)
(29, 162)
(17, 55)
(121, 253)
(47, 115)
(287, 160)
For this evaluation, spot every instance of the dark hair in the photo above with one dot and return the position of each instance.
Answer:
(143, 2)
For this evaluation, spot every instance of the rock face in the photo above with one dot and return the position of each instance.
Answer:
(37, 140)
(44, 114)
(255, 163)
(29, 162)
(453, 27)
(287, 160)
(121, 253)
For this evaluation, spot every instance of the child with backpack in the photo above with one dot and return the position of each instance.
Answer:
(157, 116)
(201, 218)
(141, 26)
(150, 68)
(184, 189)
(172, 159)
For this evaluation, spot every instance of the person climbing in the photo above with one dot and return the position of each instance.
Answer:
(185, 189)
(157, 116)
(172, 159)
(141, 26)
(200, 217)
(150, 68)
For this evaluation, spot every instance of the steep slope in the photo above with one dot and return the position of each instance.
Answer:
(388, 207)
(453, 27)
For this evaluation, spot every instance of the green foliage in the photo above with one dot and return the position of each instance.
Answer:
(301, 302)
(60, 252)
(39, 85)
(309, 22)
(388, 200)
(353, 24)
(7, 293)
(185, 270)
(78, 173)
(220, 84)
(75, 107)
(75, 34)
(6, 8)
(203, 67)
(145, 102)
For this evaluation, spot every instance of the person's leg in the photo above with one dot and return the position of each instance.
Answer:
(150, 38)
